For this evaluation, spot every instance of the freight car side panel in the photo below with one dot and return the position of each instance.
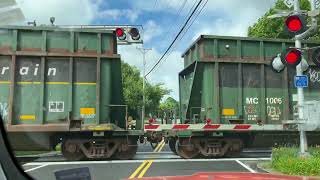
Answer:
(59, 75)
(237, 83)
(4, 86)
(241, 93)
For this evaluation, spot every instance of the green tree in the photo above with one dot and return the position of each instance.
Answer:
(132, 91)
(274, 28)
(170, 105)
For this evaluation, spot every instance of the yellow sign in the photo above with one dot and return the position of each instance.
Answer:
(28, 117)
(100, 128)
(87, 111)
(228, 112)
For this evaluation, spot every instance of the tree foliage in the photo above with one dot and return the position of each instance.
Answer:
(274, 28)
(170, 106)
(132, 91)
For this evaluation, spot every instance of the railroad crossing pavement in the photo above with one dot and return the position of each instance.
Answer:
(146, 164)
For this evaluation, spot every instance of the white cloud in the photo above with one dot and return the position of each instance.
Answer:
(117, 14)
(151, 30)
(234, 17)
(65, 11)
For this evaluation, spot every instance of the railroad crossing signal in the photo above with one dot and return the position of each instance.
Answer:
(128, 35)
(295, 24)
(290, 57)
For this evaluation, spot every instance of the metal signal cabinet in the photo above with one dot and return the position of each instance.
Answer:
(62, 83)
(231, 98)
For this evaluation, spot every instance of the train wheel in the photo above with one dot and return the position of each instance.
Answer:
(126, 151)
(172, 145)
(71, 150)
(186, 149)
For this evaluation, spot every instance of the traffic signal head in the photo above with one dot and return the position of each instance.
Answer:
(121, 34)
(128, 35)
(134, 32)
(315, 56)
(291, 57)
(295, 24)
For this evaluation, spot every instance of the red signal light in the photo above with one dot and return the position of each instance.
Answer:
(291, 56)
(119, 32)
(295, 24)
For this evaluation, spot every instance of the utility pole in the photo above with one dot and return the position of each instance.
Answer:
(303, 138)
(143, 51)
(299, 72)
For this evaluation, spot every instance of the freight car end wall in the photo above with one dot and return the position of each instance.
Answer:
(230, 81)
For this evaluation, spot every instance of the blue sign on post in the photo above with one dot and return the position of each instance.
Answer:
(301, 81)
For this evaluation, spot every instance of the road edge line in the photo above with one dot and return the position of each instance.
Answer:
(38, 167)
(245, 166)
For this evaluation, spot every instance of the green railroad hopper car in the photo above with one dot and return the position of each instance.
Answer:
(62, 83)
(231, 98)
(230, 80)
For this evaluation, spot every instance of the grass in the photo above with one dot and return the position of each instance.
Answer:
(287, 161)
(24, 153)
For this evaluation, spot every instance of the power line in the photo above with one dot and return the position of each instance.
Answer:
(195, 17)
(178, 15)
(185, 24)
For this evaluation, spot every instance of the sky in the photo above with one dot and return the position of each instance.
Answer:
(161, 20)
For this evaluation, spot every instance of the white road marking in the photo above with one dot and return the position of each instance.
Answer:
(43, 165)
(245, 166)
(139, 161)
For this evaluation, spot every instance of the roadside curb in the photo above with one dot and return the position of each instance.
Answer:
(268, 170)
(48, 154)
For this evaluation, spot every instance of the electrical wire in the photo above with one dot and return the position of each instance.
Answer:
(177, 36)
(177, 15)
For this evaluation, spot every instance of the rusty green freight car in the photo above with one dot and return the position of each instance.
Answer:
(230, 97)
(62, 83)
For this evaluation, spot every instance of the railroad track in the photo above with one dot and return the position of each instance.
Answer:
(57, 156)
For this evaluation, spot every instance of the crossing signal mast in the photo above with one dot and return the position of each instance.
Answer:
(128, 35)
(125, 34)
(296, 26)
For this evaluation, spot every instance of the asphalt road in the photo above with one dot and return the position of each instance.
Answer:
(148, 162)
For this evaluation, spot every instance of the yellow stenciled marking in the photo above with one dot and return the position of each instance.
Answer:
(138, 170)
(100, 128)
(5, 82)
(28, 117)
(55, 83)
(28, 82)
(228, 112)
(85, 83)
(86, 111)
